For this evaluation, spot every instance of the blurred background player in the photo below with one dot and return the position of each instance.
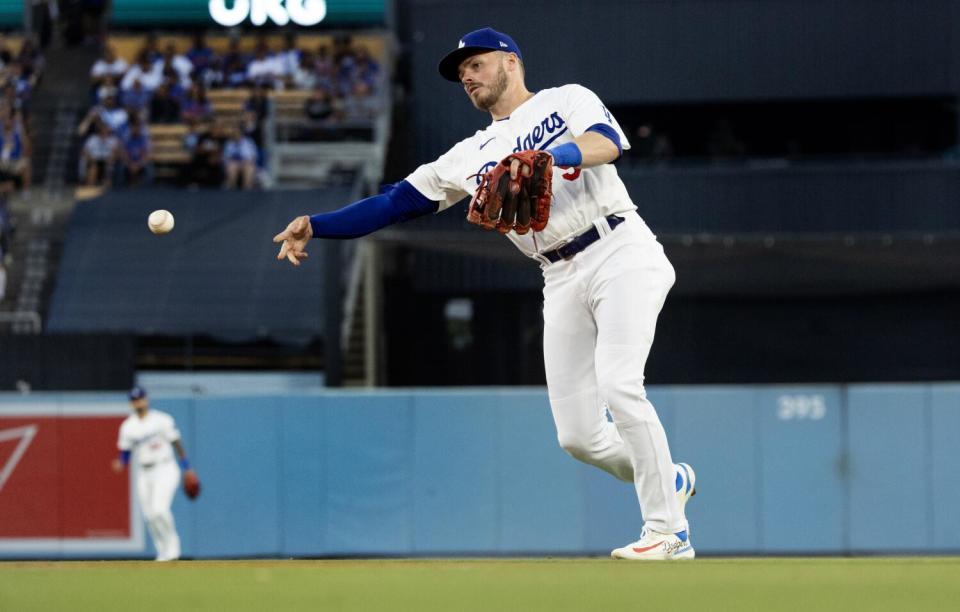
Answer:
(146, 438)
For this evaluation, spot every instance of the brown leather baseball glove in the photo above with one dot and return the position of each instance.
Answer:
(191, 484)
(519, 204)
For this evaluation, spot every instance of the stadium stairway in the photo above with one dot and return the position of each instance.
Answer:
(61, 97)
(41, 214)
(41, 223)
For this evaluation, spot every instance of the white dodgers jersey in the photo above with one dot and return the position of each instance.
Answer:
(550, 118)
(148, 438)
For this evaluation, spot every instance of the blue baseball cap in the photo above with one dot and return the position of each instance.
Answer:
(478, 41)
(136, 393)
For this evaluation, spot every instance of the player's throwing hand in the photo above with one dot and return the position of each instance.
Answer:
(294, 240)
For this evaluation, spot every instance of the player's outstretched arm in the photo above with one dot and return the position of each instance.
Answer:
(293, 240)
(399, 202)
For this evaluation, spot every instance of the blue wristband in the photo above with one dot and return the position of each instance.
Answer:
(567, 154)
(125, 457)
(184, 464)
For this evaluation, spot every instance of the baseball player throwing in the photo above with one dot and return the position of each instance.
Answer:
(146, 437)
(541, 173)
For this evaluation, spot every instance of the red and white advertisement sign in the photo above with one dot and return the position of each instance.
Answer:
(58, 492)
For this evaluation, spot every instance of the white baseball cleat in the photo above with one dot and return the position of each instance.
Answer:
(656, 546)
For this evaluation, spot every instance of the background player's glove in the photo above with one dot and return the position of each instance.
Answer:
(505, 204)
(191, 484)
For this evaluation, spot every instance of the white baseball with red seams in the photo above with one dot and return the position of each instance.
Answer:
(160, 221)
(600, 306)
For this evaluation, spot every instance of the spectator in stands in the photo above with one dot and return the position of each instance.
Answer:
(136, 156)
(342, 49)
(345, 60)
(360, 104)
(14, 154)
(319, 106)
(30, 57)
(264, 70)
(109, 66)
(172, 79)
(289, 57)
(234, 65)
(99, 155)
(108, 87)
(151, 49)
(147, 72)
(255, 111)
(196, 107)
(239, 160)
(172, 63)
(305, 75)
(114, 115)
(212, 76)
(109, 113)
(324, 68)
(164, 107)
(10, 103)
(136, 100)
(366, 69)
(199, 54)
(22, 84)
(206, 167)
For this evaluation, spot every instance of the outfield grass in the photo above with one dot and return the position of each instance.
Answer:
(496, 585)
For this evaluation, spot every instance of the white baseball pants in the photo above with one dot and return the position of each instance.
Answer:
(156, 487)
(600, 311)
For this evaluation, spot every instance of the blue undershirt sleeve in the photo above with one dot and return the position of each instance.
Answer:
(398, 202)
(605, 130)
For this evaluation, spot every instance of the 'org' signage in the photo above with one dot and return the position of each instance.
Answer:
(281, 12)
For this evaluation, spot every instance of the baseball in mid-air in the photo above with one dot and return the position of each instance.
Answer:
(160, 221)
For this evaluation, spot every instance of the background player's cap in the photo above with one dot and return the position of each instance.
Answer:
(136, 393)
(484, 39)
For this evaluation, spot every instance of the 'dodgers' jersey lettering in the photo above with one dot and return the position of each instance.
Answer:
(551, 117)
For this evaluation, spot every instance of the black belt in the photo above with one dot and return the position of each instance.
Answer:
(581, 242)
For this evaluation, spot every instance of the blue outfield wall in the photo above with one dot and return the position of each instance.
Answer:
(806, 469)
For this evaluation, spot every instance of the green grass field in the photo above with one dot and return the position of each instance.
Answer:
(497, 585)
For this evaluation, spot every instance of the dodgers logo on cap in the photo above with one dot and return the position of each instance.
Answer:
(478, 41)
(137, 392)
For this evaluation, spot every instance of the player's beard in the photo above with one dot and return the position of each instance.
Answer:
(488, 101)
